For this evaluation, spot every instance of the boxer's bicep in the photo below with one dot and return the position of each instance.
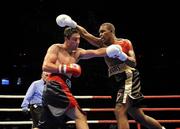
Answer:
(87, 54)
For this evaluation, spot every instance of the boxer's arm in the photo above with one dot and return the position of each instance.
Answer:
(115, 51)
(131, 60)
(93, 40)
(49, 63)
(87, 54)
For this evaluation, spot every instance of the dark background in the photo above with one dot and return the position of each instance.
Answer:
(28, 28)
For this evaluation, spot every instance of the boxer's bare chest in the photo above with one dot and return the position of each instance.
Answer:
(67, 57)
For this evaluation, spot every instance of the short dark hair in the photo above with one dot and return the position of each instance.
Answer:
(68, 31)
(109, 26)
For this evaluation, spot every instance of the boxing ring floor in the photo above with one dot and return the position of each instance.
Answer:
(164, 108)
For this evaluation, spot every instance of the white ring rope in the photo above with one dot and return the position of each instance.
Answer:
(15, 122)
(91, 109)
(77, 97)
(11, 109)
(97, 109)
(101, 97)
(89, 121)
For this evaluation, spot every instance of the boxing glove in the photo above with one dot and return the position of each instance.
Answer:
(73, 69)
(115, 51)
(65, 20)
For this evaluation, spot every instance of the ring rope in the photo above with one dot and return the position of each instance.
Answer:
(89, 122)
(98, 109)
(162, 97)
(100, 97)
(114, 121)
(77, 97)
(95, 109)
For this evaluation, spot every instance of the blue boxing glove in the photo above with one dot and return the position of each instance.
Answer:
(115, 51)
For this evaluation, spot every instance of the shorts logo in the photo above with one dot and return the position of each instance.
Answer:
(118, 96)
(116, 69)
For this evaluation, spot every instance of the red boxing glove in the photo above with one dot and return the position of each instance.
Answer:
(73, 69)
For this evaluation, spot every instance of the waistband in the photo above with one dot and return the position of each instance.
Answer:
(55, 76)
(60, 78)
(120, 68)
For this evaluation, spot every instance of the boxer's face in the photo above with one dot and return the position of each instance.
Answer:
(105, 35)
(74, 41)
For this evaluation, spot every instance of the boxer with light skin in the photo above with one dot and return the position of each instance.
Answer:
(61, 62)
(125, 80)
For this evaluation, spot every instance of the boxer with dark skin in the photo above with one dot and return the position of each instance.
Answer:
(125, 79)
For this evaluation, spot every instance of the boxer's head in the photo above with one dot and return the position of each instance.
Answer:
(107, 33)
(109, 27)
(68, 32)
(72, 37)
